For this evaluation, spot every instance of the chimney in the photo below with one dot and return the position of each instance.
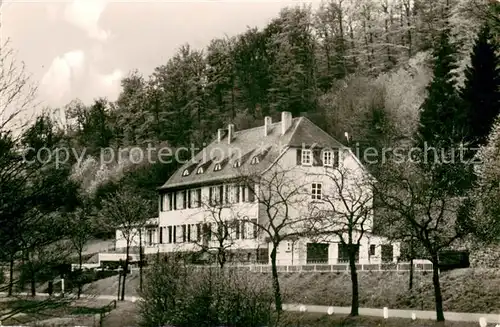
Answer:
(286, 121)
(220, 134)
(267, 125)
(230, 133)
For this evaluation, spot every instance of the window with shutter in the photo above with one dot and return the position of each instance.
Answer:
(299, 156)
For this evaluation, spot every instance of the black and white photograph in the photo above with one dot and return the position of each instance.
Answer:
(250, 163)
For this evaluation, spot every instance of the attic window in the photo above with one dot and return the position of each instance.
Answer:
(217, 167)
(200, 170)
(237, 164)
(185, 172)
(255, 160)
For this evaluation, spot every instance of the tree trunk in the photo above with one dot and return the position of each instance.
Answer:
(354, 282)
(33, 287)
(437, 289)
(140, 260)
(125, 270)
(410, 282)
(80, 264)
(412, 255)
(11, 274)
(221, 257)
(276, 284)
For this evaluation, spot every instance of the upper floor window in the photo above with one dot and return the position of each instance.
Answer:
(217, 167)
(316, 191)
(328, 158)
(195, 198)
(237, 164)
(200, 170)
(306, 157)
(255, 160)
(185, 172)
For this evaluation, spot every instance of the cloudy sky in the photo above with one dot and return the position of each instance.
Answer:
(82, 48)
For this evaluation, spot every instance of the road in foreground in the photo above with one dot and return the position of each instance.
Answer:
(392, 313)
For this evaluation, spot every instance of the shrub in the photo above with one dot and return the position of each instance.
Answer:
(182, 296)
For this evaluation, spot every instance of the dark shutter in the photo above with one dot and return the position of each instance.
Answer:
(169, 234)
(299, 156)
(161, 235)
(336, 158)
(198, 197)
(317, 160)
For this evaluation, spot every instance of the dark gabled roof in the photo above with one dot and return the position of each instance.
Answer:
(246, 144)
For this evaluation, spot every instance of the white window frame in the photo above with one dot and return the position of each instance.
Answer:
(185, 172)
(316, 191)
(200, 170)
(217, 167)
(306, 157)
(236, 164)
(255, 160)
(328, 158)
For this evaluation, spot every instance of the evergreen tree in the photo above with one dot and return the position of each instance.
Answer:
(441, 120)
(442, 123)
(481, 91)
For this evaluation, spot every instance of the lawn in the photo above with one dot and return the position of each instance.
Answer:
(464, 290)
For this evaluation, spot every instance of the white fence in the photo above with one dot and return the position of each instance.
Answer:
(331, 268)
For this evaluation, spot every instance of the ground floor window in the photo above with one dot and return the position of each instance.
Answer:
(344, 252)
(387, 253)
(317, 252)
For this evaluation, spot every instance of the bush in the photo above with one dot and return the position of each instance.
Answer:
(181, 296)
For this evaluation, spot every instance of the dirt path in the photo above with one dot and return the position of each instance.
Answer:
(125, 315)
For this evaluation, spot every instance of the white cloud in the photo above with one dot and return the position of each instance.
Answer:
(85, 14)
(109, 85)
(56, 83)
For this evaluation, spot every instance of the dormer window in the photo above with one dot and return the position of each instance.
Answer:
(217, 167)
(236, 164)
(200, 170)
(185, 172)
(255, 160)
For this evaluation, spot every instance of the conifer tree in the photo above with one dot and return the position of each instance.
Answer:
(481, 91)
(441, 120)
(442, 124)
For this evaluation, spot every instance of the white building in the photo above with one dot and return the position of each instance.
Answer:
(290, 172)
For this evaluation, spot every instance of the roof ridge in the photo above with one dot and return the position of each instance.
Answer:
(260, 126)
(323, 131)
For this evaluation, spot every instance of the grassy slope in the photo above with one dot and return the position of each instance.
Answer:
(465, 290)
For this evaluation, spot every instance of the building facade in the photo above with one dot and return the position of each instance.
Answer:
(287, 180)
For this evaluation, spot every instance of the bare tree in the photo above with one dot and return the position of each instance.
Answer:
(343, 209)
(280, 194)
(17, 93)
(218, 227)
(127, 212)
(81, 225)
(419, 209)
